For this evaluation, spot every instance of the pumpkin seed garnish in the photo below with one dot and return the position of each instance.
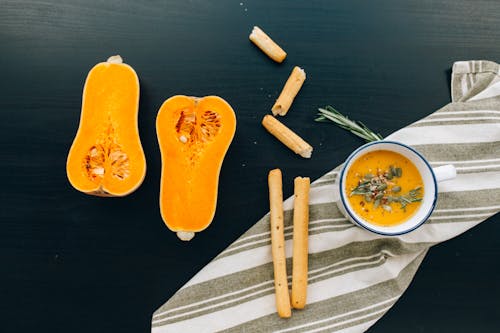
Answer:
(392, 170)
(399, 172)
(396, 189)
(375, 188)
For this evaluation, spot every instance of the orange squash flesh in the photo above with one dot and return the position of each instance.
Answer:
(106, 157)
(194, 135)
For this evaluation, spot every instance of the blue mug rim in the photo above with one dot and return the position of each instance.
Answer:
(364, 225)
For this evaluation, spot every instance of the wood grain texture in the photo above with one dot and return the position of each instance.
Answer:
(76, 263)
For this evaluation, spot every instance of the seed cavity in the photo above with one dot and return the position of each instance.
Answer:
(120, 164)
(210, 125)
(186, 125)
(195, 129)
(106, 155)
(198, 128)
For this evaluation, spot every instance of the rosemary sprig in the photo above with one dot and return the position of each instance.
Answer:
(413, 196)
(328, 113)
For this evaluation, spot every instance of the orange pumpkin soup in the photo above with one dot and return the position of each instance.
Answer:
(384, 187)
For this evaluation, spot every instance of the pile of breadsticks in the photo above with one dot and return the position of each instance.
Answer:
(284, 302)
(299, 243)
(285, 99)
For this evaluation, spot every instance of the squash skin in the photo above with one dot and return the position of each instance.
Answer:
(108, 129)
(191, 165)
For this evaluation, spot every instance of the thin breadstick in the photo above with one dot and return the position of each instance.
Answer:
(300, 243)
(278, 244)
(267, 45)
(290, 90)
(287, 136)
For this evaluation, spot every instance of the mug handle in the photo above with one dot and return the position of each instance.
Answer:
(445, 172)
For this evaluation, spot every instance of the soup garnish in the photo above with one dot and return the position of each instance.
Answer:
(384, 187)
(381, 190)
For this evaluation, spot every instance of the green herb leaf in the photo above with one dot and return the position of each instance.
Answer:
(359, 192)
(415, 192)
(328, 113)
(361, 188)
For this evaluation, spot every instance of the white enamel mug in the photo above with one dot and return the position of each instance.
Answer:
(430, 177)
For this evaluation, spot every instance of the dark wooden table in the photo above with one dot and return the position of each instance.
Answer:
(76, 263)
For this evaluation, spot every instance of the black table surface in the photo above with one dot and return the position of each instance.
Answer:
(77, 263)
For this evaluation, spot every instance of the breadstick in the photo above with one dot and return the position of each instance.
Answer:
(290, 90)
(278, 244)
(267, 45)
(287, 136)
(300, 246)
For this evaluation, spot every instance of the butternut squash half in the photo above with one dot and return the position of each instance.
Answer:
(106, 157)
(194, 135)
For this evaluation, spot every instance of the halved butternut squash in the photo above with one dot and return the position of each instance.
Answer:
(106, 157)
(194, 135)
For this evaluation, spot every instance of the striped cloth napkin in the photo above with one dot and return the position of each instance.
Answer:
(355, 276)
